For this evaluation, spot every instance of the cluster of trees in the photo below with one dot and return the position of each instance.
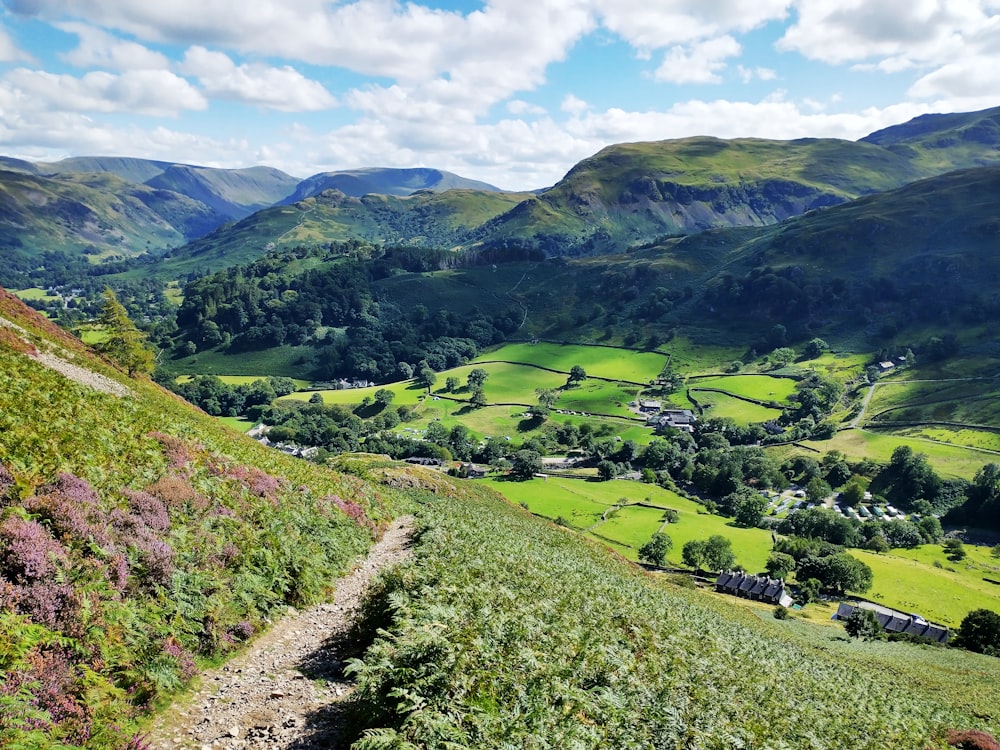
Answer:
(818, 565)
(273, 302)
(211, 394)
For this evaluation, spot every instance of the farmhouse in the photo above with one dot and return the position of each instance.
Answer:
(885, 366)
(757, 588)
(650, 407)
(679, 419)
(897, 622)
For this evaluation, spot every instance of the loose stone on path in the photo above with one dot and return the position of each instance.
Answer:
(261, 699)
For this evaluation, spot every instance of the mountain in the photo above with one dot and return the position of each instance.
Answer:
(630, 193)
(94, 215)
(424, 218)
(232, 193)
(384, 181)
(953, 140)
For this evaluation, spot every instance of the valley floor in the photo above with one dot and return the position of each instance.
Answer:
(285, 689)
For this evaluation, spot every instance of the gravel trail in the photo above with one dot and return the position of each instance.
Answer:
(285, 690)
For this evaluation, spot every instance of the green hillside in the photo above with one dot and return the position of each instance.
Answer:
(424, 219)
(140, 541)
(98, 215)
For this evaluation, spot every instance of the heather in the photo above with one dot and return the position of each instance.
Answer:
(140, 541)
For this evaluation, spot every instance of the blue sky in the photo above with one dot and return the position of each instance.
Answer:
(513, 92)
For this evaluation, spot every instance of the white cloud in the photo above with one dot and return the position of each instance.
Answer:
(697, 63)
(145, 92)
(748, 74)
(574, 105)
(99, 49)
(654, 25)
(9, 51)
(898, 34)
(283, 89)
(521, 107)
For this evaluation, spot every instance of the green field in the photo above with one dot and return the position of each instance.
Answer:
(604, 362)
(241, 379)
(407, 392)
(947, 460)
(507, 382)
(758, 387)
(236, 423)
(981, 439)
(285, 361)
(35, 293)
(905, 579)
(909, 581)
(741, 412)
(967, 401)
(631, 527)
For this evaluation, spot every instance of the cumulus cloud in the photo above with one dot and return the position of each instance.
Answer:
(748, 74)
(697, 63)
(99, 49)
(897, 34)
(283, 89)
(654, 25)
(574, 105)
(145, 92)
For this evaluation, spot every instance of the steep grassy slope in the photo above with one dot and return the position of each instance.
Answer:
(507, 632)
(138, 539)
(96, 214)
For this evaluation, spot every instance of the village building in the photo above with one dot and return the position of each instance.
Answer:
(757, 588)
(678, 419)
(893, 621)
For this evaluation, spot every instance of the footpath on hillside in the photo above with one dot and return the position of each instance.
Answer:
(285, 690)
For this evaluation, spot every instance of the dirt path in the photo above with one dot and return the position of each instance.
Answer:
(284, 691)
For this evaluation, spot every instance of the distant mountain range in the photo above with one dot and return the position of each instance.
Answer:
(624, 196)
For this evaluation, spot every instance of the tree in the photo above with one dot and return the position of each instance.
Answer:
(576, 375)
(954, 550)
(815, 348)
(547, 397)
(782, 356)
(125, 344)
(854, 491)
(451, 383)
(477, 377)
(749, 511)
(693, 553)
(384, 397)
(809, 590)
(606, 470)
(779, 565)
(478, 398)
(980, 631)
(525, 464)
(655, 550)
(426, 374)
(863, 623)
(316, 398)
(718, 553)
(817, 490)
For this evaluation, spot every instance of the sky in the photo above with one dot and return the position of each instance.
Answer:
(512, 92)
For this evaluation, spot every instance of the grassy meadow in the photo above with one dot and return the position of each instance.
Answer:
(599, 361)
(581, 503)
